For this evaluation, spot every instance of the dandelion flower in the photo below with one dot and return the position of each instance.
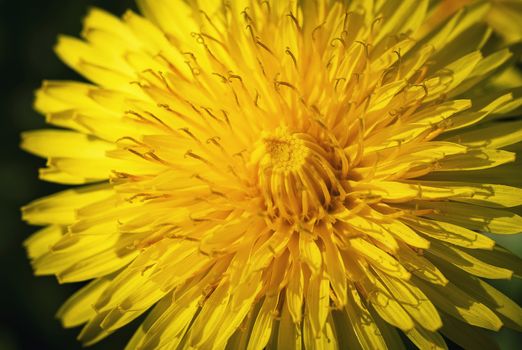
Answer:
(282, 174)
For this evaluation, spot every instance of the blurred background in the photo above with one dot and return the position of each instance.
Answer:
(28, 31)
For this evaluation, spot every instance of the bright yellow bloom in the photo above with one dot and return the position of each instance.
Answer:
(297, 175)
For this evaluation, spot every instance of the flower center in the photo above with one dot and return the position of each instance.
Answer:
(295, 176)
(285, 153)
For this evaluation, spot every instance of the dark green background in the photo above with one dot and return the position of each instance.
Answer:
(28, 31)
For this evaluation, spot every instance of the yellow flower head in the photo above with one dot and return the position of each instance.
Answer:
(312, 174)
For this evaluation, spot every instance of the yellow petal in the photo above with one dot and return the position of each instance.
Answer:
(420, 266)
(468, 262)
(99, 19)
(423, 155)
(491, 135)
(425, 339)
(458, 71)
(488, 195)
(61, 208)
(92, 332)
(169, 325)
(134, 285)
(240, 338)
(396, 192)
(508, 311)
(310, 252)
(374, 230)
(361, 321)
(76, 258)
(78, 308)
(482, 110)
(506, 174)
(414, 301)
(241, 303)
(174, 19)
(450, 233)
(389, 333)
(58, 96)
(455, 302)
(294, 292)
(384, 94)
(402, 17)
(174, 324)
(335, 270)
(317, 303)
(262, 330)
(95, 266)
(482, 70)
(386, 306)
(61, 143)
(95, 65)
(406, 234)
(476, 218)
(90, 170)
(502, 257)
(440, 112)
(475, 160)
(155, 41)
(379, 258)
(42, 241)
(326, 340)
(211, 313)
(289, 333)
